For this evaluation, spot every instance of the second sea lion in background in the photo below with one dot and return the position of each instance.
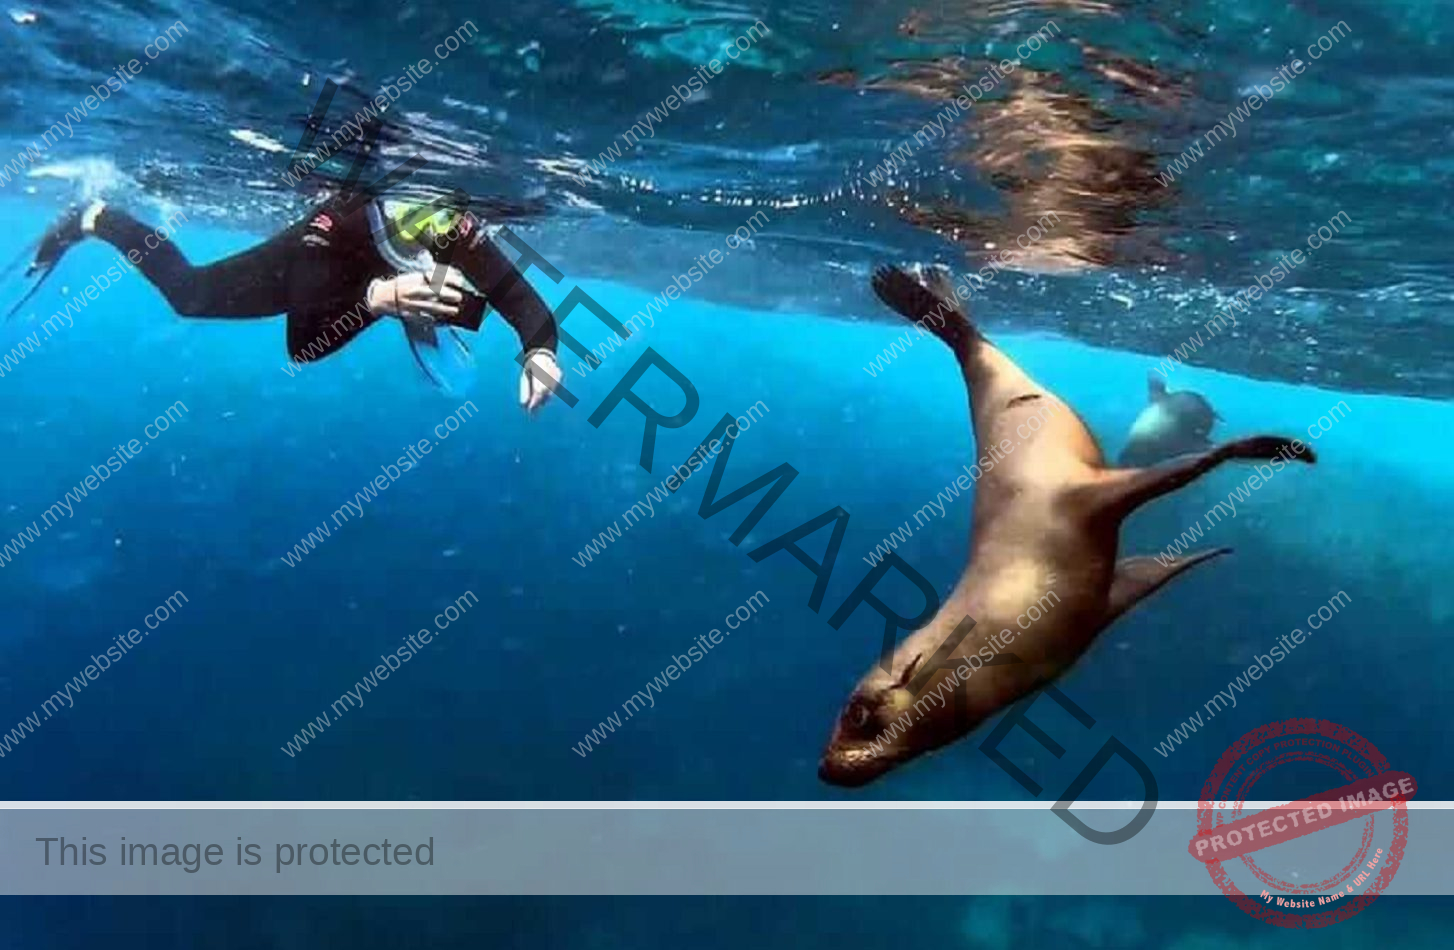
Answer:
(1172, 424)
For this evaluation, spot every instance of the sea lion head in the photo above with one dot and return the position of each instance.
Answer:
(1172, 424)
(880, 728)
(1193, 413)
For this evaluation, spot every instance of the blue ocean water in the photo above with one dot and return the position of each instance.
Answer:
(501, 508)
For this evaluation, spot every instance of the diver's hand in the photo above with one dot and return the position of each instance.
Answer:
(534, 392)
(412, 296)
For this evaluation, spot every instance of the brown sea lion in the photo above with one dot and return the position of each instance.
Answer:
(1042, 548)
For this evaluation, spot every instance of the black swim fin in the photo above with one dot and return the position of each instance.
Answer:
(25, 297)
(12, 270)
(60, 237)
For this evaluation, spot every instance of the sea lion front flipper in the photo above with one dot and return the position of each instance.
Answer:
(1123, 490)
(1139, 577)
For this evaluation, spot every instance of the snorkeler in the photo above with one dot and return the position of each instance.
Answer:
(339, 271)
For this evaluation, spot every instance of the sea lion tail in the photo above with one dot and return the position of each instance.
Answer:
(928, 299)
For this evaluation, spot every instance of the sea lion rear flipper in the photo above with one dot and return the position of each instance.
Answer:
(1139, 577)
(936, 310)
(1123, 490)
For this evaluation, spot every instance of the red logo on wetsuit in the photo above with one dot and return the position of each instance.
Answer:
(323, 223)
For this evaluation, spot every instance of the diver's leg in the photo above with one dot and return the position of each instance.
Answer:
(251, 284)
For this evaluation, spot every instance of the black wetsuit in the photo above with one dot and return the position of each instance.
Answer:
(317, 272)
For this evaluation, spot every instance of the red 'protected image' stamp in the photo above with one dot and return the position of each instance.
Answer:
(1365, 814)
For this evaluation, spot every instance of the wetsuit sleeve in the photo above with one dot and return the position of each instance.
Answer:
(504, 287)
(328, 284)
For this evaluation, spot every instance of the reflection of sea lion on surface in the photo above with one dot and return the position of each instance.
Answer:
(1045, 530)
(1172, 424)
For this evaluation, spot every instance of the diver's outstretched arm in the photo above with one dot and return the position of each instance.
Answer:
(504, 287)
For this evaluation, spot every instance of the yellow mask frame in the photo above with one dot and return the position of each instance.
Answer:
(404, 217)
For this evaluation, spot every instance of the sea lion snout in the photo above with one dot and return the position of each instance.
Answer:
(833, 772)
(853, 763)
(867, 740)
